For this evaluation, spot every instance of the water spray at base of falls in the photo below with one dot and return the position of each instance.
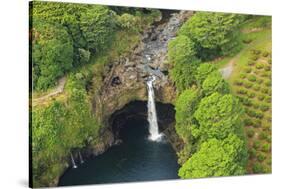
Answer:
(152, 115)
(81, 158)
(73, 162)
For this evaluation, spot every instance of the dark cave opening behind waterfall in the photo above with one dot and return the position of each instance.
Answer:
(136, 158)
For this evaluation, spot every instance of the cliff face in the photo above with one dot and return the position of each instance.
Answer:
(125, 80)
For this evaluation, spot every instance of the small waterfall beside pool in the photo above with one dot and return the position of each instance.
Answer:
(152, 115)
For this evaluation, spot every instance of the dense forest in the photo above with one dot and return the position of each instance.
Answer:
(224, 122)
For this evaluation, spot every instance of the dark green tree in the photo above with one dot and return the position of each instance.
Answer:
(183, 74)
(52, 54)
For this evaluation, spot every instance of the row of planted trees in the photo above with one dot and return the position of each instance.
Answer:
(208, 117)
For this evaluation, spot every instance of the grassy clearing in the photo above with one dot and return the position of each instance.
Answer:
(251, 82)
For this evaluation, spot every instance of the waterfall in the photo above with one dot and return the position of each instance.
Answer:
(152, 115)
(80, 156)
(73, 162)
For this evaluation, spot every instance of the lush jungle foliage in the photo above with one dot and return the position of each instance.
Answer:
(65, 36)
(214, 34)
(60, 128)
(208, 118)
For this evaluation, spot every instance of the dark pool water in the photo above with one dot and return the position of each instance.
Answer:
(136, 159)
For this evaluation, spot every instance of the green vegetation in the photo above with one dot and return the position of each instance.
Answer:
(218, 114)
(214, 34)
(59, 128)
(216, 158)
(214, 83)
(215, 118)
(77, 41)
(65, 36)
(251, 82)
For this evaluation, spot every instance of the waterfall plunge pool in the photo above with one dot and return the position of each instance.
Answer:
(135, 159)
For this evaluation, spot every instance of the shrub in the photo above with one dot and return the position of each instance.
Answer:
(248, 69)
(264, 107)
(247, 41)
(254, 57)
(264, 90)
(259, 66)
(252, 78)
(266, 74)
(256, 144)
(246, 101)
(265, 54)
(251, 94)
(261, 97)
(259, 115)
(256, 105)
(251, 63)
(257, 123)
(250, 133)
(260, 156)
(269, 61)
(241, 91)
(129, 22)
(248, 122)
(267, 99)
(252, 153)
(242, 75)
(256, 87)
(238, 82)
(262, 135)
(259, 81)
(248, 85)
(267, 68)
(255, 52)
(267, 83)
(258, 168)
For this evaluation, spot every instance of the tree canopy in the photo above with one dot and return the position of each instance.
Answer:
(64, 36)
(218, 115)
(216, 158)
(186, 105)
(203, 71)
(181, 50)
(215, 83)
(215, 34)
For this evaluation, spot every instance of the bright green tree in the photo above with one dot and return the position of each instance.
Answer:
(216, 158)
(218, 115)
(97, 24)
(183, 74)
(215, 83)
(215, 34)
(52, 54)
(181, 50)
(203, 71)
(186, 105)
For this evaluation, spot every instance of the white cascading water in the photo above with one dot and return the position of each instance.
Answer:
(80, 157)
(73, 162)
(152, 115)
